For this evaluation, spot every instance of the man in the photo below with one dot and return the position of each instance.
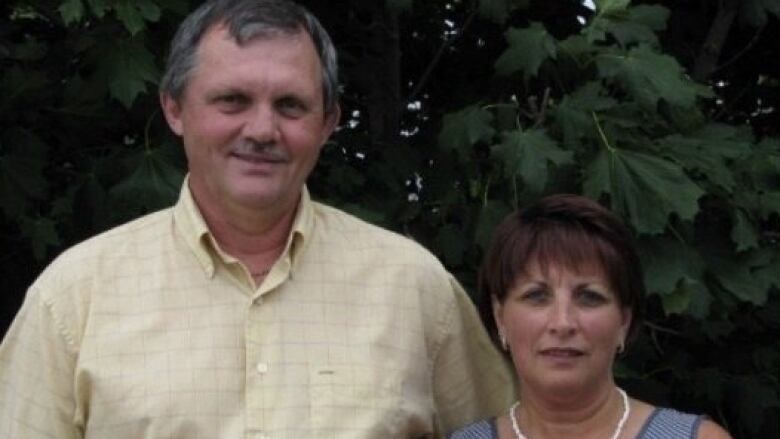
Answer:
(247, 310)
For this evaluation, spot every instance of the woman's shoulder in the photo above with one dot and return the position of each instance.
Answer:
(666, 422)
(484, 429)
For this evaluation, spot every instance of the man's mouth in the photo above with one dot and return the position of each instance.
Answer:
(258, 157)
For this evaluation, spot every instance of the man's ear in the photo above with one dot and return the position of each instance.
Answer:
(172, 111)
(332, 118)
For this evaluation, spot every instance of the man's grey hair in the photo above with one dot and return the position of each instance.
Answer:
(247, 20)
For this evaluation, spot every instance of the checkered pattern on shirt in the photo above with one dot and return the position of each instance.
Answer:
(150, 331)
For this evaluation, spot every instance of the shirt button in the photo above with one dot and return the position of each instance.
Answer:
(262, 368)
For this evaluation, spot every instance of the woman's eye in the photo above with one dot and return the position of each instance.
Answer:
(591, 298)
(534, 296)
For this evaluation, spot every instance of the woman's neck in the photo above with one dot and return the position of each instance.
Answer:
(587, 414)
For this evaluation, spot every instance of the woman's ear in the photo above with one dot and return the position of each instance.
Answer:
(498, 318)
(496, 310)
(625, 325)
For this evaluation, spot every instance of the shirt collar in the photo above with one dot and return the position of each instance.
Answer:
(193, 228)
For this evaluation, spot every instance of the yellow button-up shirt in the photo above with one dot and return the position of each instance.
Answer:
(151, 331)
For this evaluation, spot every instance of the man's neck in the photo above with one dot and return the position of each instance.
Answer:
(256, 238)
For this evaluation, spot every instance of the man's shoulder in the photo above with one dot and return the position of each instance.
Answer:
(145, 227)
(112, 244)
(361, 235)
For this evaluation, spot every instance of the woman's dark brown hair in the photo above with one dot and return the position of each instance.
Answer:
(566, 230)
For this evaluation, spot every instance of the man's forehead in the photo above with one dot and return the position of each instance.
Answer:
(254, 32)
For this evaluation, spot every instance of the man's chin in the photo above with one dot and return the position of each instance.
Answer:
(263, 200)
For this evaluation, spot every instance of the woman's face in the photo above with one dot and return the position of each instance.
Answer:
(562, 327)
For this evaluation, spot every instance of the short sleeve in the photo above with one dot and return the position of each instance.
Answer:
(37, 364)
(471, 378)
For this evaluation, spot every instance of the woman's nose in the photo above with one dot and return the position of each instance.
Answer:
(562, 320)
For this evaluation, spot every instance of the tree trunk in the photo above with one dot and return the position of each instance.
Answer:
(383, 93)
(707, 61)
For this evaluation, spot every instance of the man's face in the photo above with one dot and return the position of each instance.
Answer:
(252, 121)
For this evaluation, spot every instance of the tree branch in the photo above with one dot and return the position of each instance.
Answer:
(436, 58)
(743, 51)
(710, 51)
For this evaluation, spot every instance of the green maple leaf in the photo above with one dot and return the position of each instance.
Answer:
(72, 11)
(149, 10)
(528, 154)
(491, 214)
(692, 154)
(726, 141)
(739, 274)
(650, 76)
(644, 188)
(744, 232)
(466, 127)
(666, 262)
(135, 14)
(700, 298)
(574, 115)
(673, 271)
(155, 180)
(770, 273)
(711, 151)
(577, 47)
(769, 204)
(99, 7)
(22, 159)
(740, 281)
(678, 300)
(634, 25)
(528, 49)
(130, 67)
(604, 7)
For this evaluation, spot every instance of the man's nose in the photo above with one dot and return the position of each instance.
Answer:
(261, 125)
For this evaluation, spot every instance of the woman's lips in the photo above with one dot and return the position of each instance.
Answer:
(562, 352)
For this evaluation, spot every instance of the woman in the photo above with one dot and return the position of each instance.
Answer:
(563, 285)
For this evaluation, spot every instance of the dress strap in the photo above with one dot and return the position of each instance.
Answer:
(665, 423)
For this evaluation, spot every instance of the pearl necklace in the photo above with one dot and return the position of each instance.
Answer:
(626, 411)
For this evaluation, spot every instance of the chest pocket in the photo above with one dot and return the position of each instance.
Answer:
(354, 401)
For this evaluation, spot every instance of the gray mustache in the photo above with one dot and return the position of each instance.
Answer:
(268, 149)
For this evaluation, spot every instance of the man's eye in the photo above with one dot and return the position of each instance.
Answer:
(291, 106)
(231, 101)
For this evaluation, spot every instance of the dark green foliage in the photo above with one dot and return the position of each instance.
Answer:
(512, 100)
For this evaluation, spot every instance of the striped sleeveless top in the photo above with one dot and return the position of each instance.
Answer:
(663, 423)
